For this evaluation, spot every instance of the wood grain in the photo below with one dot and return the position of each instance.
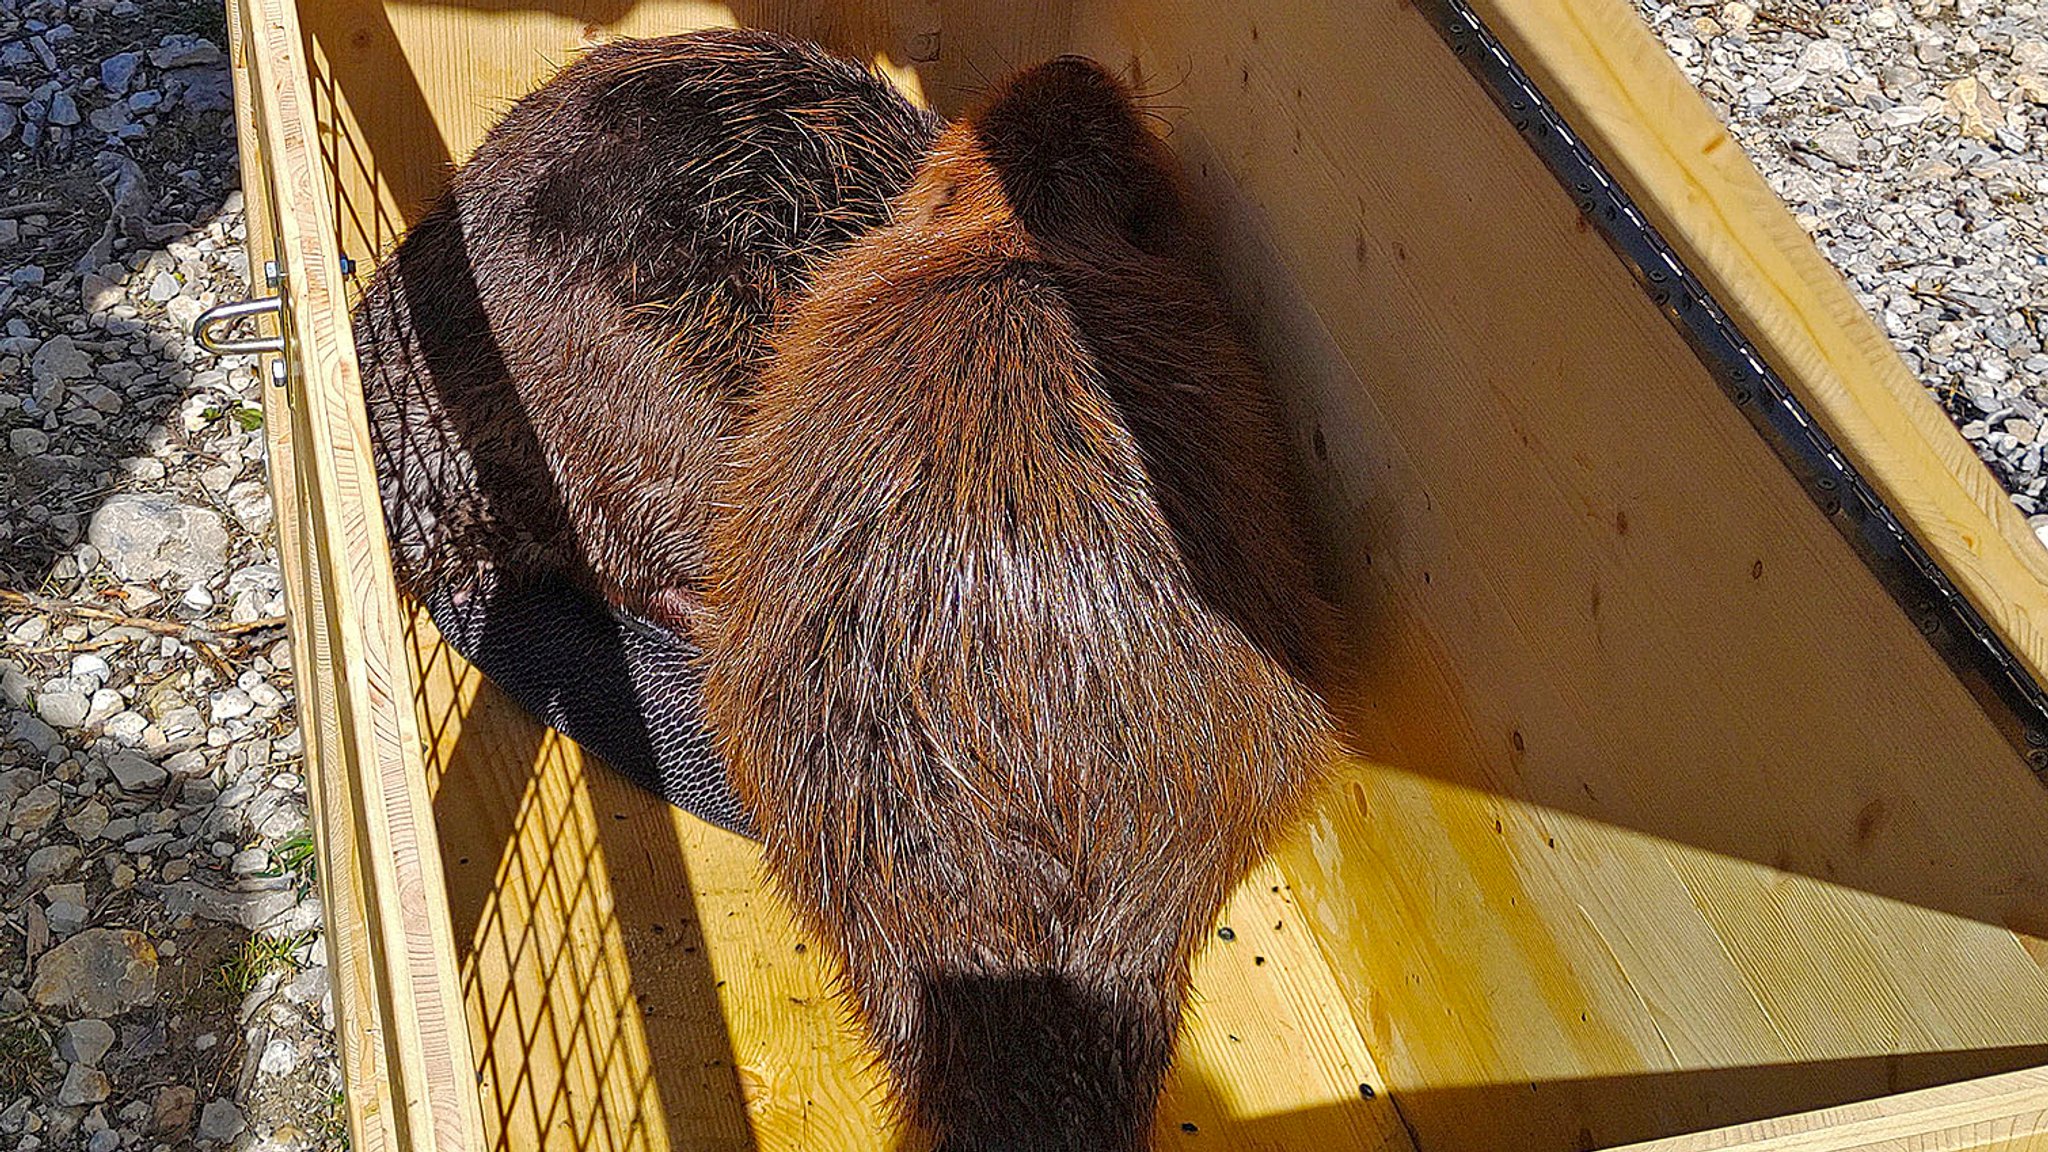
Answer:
(1635, 110)
(1674, 819)
(2007, 1113)
(633, 983)
(363, 747)
(1670, 819)
(352, 972)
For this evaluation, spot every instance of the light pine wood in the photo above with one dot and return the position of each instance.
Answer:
(412, 88)
(633, 983)
(2007, 1113)
(381, 864)
(1648, 125)
(1680, 821)
(351, 971)
(1670, 818)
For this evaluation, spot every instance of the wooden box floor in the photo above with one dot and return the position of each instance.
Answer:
(632, 981)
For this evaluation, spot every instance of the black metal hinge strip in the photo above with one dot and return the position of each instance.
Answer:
(1948, 620)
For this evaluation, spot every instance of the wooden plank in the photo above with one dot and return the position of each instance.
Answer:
(405, 1051)
(357, 1022)
(1656, 758)
(632, 982)
(1659, 764)
(1638, 113)
(351, 970)
(410, 89)
(2007, 1113)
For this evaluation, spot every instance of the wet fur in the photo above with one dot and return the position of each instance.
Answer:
(1013, 623)
(556, 354)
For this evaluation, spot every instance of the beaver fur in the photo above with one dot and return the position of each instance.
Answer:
(555, 356)
(556, 351)
(1013, 624)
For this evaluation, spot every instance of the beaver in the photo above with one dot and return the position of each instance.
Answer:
(555, 355)
(1014, 639)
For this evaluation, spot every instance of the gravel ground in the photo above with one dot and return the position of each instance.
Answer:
(161, 983)
(1911, 139)
(161, 968)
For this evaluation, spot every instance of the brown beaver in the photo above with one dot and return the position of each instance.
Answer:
(1013, 623)
(555, 354)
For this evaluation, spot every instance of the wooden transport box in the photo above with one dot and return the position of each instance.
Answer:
(1697, 656)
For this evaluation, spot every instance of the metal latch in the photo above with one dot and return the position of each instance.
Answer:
(221, 315)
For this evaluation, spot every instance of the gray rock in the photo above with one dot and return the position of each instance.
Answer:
(9, 121)
(220, 1121)
(104, 1140)
(28, 441)
(209, 89)
(83, 1085)
(280, 1058)
(182, 723)
(56, 363)
(73, 891)
(147, 537)
(134, 772)
(50, 861)
(1839, 143)
(36, 734)
(118, 71)
(87, 821)
(231, 704)
(127, 726)
(106, 703)
(14, 684)
(66, 916)
(33, 812)
(308, 986)
(16, 783)
(64, 110)
(183, 50)
(171, 1111)
(1825, 57)
(252, 910)
(85, 1041)
(63, 709)
(91, 666)
(100, 972)
(110, 119)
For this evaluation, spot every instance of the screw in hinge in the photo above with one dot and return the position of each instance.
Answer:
(272, 274)
(279, 374)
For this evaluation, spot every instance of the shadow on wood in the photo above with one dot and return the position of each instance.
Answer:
(1659, 773)
(1604, 1112)
(591, 996)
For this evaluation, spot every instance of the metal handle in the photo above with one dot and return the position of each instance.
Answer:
(221, 315)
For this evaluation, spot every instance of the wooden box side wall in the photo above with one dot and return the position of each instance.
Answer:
(404, 1045)
(1664, 764)
(1674, 820)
